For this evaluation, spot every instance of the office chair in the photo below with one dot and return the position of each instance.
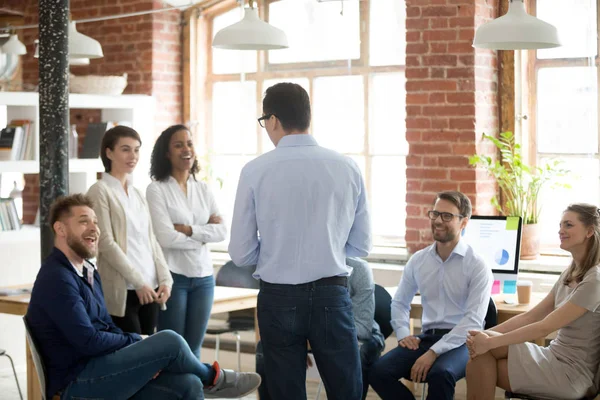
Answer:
(383, 310)
(491, 320)
(234, 276)
(5, 354)
(37, 360)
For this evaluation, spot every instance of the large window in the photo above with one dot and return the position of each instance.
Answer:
(350, 59)
(563, 83)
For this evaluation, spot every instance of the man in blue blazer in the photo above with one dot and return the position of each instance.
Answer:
(85, 354)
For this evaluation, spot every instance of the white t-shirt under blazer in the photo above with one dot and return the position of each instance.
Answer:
(186, 255)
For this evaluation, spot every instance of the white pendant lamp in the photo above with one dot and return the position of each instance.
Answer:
(79, 61)
(516, 30)
(14, 46)
(82, 46)
(72, 61)
(251, 33)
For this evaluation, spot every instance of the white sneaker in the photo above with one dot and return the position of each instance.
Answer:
(230, 384)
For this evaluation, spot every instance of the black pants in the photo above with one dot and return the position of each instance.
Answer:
(141, 319)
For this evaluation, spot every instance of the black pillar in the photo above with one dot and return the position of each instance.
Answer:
(54, 110)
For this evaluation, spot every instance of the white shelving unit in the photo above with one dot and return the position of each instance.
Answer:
(136, 109)
(20, 249)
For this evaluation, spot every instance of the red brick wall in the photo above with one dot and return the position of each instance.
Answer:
(167, 80)
(147, 48)
(451, 100)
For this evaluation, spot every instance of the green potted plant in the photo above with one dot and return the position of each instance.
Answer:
(520, 185)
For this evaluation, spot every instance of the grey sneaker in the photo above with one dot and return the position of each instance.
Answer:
(231, 385)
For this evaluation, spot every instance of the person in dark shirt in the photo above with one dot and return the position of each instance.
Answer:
(85, 353)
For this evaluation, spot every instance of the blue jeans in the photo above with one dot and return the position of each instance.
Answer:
(369, 353)
(128, 373)
(288, 316)
(188, 309)
(442, 377)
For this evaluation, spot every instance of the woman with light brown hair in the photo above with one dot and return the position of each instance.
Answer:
(565, 369)
(134, 271)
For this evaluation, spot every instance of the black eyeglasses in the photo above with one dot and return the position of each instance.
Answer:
(264, 118)
(446, 216)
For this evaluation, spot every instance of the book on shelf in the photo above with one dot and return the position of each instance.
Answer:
(11, 139)
(28, 149)
(93, 139)
(9, 218)
(17, 141)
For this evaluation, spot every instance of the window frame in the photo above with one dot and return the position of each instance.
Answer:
(200, 105)
(528, 117)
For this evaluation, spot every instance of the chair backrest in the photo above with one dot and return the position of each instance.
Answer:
(383, 310)
(491, 317)
(233, 276)
(37, 358)
(241, 277)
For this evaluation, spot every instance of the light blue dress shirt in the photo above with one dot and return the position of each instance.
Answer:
(309, 205)
(454, 294)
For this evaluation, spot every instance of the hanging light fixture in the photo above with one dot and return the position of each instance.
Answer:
(82, 46)
(251, 33)
(516, 30)
(79, 61)
(14, 46)
(72, 61)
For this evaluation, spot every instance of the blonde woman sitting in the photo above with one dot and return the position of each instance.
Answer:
(566, 368)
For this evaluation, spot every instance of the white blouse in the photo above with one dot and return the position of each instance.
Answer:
(186, 255)
(139, 250)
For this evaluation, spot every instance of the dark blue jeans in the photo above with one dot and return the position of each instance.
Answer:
(188, 309)
(442, 377)
(370, 350)
(291, 315)
(128, 373)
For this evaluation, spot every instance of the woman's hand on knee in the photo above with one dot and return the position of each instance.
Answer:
(477, 343)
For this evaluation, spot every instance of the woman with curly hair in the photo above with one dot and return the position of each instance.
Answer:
(185, 217)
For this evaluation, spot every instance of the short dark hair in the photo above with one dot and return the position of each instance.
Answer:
(160, 165)
(62, 206)
(110, 139)
(460, 200)
(289, 102)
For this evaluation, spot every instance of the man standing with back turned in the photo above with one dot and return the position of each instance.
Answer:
(309, 205)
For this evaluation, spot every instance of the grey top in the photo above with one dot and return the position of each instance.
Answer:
(362, 295)
(578, 344)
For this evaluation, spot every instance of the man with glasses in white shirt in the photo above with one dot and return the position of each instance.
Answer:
(455, 286)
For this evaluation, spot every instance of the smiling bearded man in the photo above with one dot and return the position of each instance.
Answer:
(86, 355)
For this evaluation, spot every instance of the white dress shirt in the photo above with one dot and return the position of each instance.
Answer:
(454, 294)
(309, 204)
(139, 251)
(169, 205)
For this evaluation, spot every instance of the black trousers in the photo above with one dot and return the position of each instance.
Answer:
(141, 319)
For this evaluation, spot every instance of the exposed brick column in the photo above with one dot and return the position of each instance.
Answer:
(451, 100)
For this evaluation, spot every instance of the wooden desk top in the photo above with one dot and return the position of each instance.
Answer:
(15, 304)
(503, 308)
(226, 299)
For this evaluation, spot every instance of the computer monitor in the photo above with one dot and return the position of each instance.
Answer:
(498, 240)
